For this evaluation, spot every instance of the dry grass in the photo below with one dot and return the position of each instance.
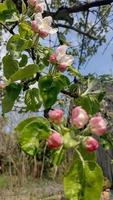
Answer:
(35, 189)
(31, 190)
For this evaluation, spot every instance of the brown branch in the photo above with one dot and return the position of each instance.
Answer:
(9, 30)
(69, 93)
(86, 6)
(77, 30)
(63, 12)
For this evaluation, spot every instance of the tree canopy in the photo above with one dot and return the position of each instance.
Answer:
(48, 42)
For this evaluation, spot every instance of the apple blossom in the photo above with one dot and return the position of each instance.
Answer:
(62, 59)
(79, 117)
(56, 115)
(42, 26)
(55, 140)
(38, 5)
(98, 125)
(91, 144)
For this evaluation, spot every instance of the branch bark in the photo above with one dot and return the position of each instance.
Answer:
(86, 6)
(78, 8)
(77, 30)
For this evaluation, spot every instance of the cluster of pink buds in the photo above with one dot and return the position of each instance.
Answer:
(97, 126)
(61, 58)
(38, 5)
(79, 118)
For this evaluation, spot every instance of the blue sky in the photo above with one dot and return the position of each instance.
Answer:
(100, 63)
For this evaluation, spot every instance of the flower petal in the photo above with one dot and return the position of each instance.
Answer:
(61, 50)
(67, 59)
(38, 18)
(47, 21)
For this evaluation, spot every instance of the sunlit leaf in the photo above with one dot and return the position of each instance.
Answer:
(11, 94)
(32, 99)
(24, 73)
(32, 132)
(10, 66)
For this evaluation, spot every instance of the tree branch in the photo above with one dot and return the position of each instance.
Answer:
(9, 30)
(77, 30)
(86, 6)
(75, 95)
(64, 12)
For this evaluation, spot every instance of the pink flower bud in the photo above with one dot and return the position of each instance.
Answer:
(79, 117)
(53, 58)
(55, 140)
(91, 144)
(39, 7)
(34, 26)
(62, 67)
(56, 115)
(42, 34)
(98, 125)
(32, 2)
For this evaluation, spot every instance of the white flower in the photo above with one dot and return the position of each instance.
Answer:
(43, 25)
(61, 58)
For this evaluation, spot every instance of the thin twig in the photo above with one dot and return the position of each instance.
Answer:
(77, 30)
(43, 162)
(9, 30)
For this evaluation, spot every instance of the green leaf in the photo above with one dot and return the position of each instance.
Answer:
(11, 94)
(24, 123)
(32, 132)
(73, 71)
(89, 103)
(24, 9)
(10, 66)
(63, 80)
(23, 61)
(24, 73)
(8, 12)
(69, 142)
(73, 180)
(93, 181)
(62, 38)
(49, 90)
(25, 30)
(84, 179)
(30, 143)
(58, 156)
(16, 43)
(42, 58)
(91, 86)
(32, 99)
(100, 95)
